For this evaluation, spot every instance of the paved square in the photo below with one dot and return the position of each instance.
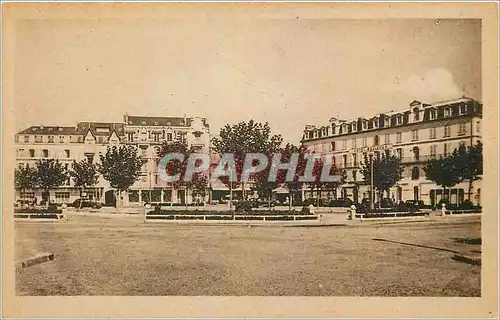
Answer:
(124, 256)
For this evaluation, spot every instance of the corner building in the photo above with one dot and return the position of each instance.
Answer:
(418, 133)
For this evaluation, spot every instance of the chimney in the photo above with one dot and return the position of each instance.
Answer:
(125, 118)
(185, 121)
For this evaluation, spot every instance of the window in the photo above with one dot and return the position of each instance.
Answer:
(478, 126)
(32, 153)
(62, 197)
(332, 146)
(20, 152)
(354, 175)
(90, 157)
(27, 195)
(462, 129)
(51, 139)
(447, 130)
(130, 136)
(344, 160)
(387, 122)
(365, 124)
(416, 153)
(353, 143)
(399, 119)
(333, 128)
(398, 137)
(399, 153)
(364, 142)
(169, 136)
(45, 153)
(416, 114)
(462, 109)
(432, 133)
(447, 112)
(61, 139)
(344, 144)
(156, 137)
(26, 139)
(67, 152)
(447, 148)
(354, 159)
(38, 139)
(433, 114)
(387, 138)
(375, 141)
(415, 173)
(414, 135)
(432, 150)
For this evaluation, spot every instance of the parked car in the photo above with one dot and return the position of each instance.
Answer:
(387, 203)
(342, 202)
(86, 204)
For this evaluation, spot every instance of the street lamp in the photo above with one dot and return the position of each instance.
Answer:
(372, 195)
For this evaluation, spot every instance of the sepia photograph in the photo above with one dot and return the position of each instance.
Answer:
(249, 150)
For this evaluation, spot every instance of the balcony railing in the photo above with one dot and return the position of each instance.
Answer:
(420, 158)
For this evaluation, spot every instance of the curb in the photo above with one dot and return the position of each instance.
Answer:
(467, 259)
(39, 258)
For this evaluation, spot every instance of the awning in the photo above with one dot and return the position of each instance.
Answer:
(281, 190)
(348, 185)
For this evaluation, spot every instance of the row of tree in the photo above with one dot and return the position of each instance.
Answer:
(464, 164)
(121, 166)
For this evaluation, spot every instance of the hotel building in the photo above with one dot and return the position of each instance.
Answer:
(416, 134)
(88, 140)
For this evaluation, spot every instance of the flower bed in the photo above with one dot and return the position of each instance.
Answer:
(390, 214)
(39, 211)
(225, 213)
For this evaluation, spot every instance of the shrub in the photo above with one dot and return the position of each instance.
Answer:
(243, 206)
(466, 205)
(307, 218)
(35, 210)
(218, 218)
(274, 218)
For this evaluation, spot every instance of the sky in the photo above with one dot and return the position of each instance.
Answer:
(288, 72)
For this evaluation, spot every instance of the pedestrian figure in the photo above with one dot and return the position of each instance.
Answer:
(443, 209)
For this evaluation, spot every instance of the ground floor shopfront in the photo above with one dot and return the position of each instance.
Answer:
(418, 190)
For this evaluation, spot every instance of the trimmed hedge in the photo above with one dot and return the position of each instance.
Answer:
(279, 218)
(260, 218)
(40, 211)
(160, 217)
(218, 218)
(37, 216)
(225, 213)
(391, 215)
(307, 218)
(189, 217)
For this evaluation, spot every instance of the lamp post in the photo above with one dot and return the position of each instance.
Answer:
(372, 195)
(230, 190)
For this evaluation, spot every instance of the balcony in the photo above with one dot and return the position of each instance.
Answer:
(421, 159)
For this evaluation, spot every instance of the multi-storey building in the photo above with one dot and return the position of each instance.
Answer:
(87, 140)
(417, 134)
(147, 134)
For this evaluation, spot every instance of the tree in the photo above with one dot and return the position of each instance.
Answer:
(121, 167)
(469, 162)
(25, 178)
(443, 171)
(242, 138)
(50, 174)
(84, 174)
(387, 171)
(318, 184)
(294, 185)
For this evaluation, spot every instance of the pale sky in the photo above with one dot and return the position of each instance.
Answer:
(288, 72)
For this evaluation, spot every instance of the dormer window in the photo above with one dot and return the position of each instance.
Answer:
(375, 122)
(399, 119)
(143, 123)
(333, 128)
(156, 123)
(387, 122)
(433, 114)
(416, 114)
(354, 127)
(365, 124)
(447, 112)
(462, 109)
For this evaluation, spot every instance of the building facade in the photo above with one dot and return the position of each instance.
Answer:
(88, 140)
(416, 134)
